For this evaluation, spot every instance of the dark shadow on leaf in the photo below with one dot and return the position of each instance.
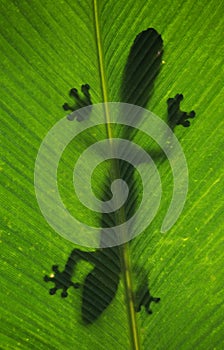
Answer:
(100, 285)
(143, 65)
(143, 298)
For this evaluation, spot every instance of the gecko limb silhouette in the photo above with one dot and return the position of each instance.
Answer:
(175, 115)
(144, 298)
(79, 102)
(100, 285)
(62, 280)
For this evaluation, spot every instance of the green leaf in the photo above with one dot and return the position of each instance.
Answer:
(46, 49)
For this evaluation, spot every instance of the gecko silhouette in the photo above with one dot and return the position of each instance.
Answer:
(100, 285)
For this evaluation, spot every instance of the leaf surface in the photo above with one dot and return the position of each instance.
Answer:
(48, 48)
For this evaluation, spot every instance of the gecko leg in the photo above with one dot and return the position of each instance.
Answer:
(62, 280)
(175, 115)
(79, 102)
(144, 298)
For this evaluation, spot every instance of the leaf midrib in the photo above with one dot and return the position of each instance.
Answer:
(124, 249)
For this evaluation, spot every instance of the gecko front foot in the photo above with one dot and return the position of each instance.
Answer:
(62, 280)
(175, 115)
(79, 102)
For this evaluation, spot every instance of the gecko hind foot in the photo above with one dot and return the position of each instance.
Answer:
(62, 280)
(144, 298)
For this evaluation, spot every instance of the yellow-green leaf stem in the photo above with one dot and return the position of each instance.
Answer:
(124, 249)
